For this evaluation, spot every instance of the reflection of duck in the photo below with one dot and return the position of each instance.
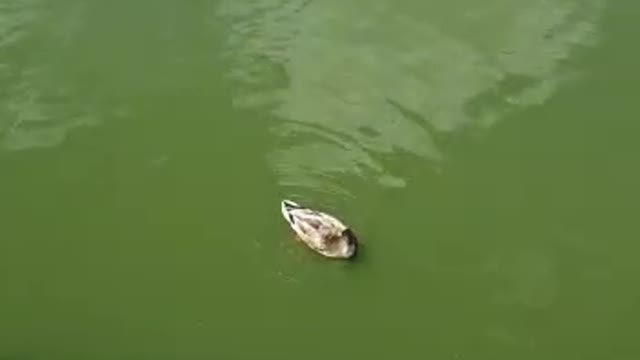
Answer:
(321, 232)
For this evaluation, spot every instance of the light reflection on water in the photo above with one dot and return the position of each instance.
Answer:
(347, 82)
(352, 80)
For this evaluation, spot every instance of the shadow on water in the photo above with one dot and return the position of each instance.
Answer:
(347, 84)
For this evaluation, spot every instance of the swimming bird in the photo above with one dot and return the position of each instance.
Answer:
(320, 231)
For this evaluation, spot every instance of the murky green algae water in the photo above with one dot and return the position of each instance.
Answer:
(485, 153)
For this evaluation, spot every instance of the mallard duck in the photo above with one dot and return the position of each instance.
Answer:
(321, 232)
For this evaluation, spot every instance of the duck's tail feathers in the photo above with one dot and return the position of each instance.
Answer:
(290, 205)
(286, 206)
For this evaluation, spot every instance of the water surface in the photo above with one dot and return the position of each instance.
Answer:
(484, 153)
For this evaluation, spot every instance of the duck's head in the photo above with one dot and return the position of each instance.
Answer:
(352, 241)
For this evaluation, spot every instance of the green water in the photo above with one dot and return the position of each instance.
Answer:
(485, 153)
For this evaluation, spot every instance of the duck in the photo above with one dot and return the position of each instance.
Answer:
(320, 231)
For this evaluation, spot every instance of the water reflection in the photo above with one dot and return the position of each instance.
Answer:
(349, 81)
(36, 108)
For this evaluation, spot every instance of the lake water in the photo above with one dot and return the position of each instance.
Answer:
(486, 154)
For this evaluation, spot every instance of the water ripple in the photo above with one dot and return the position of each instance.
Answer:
(34, 111)
(353, 80)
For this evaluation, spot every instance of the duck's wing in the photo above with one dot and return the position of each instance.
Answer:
(308, 228)
(315, 223)
(313, 233)
(309, 222)
(323, 224)
(333, 223)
